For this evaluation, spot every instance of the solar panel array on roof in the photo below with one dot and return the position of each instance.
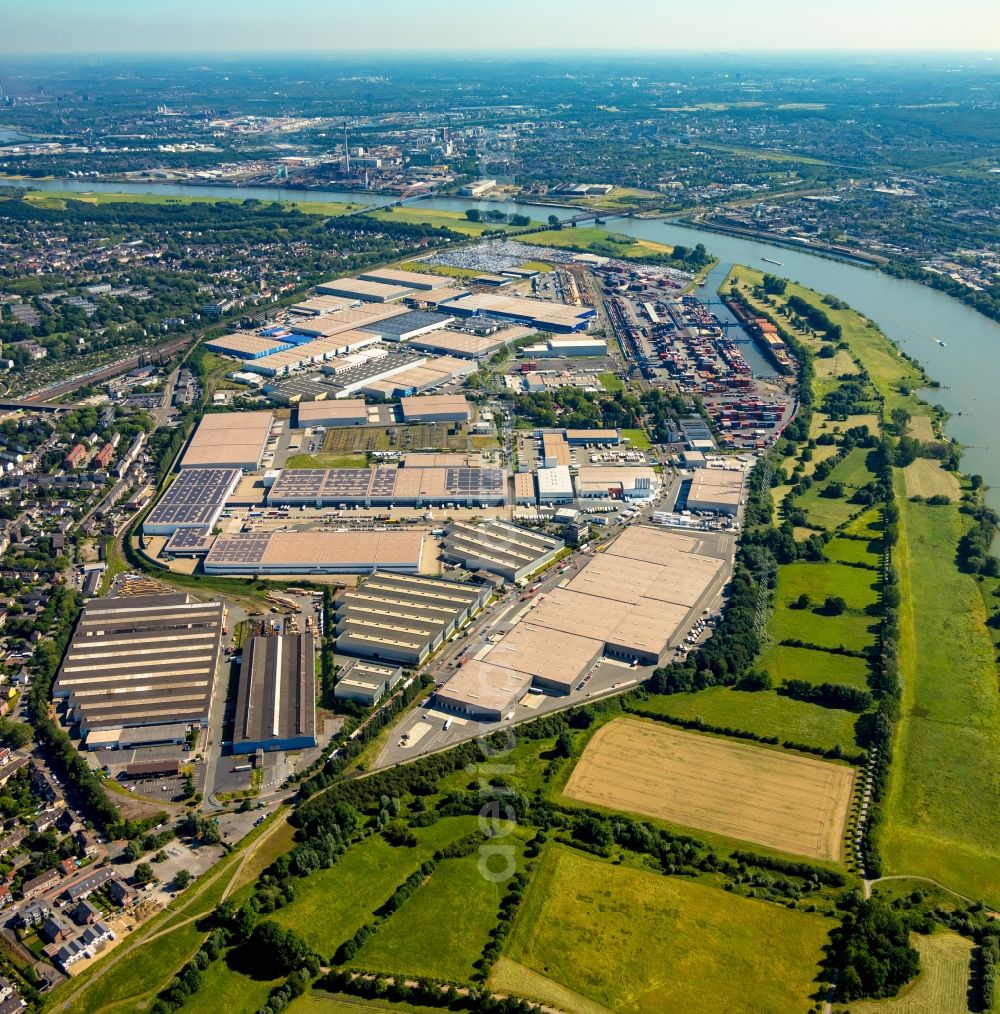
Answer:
(387, 484)
(190, 541)
(195, 499)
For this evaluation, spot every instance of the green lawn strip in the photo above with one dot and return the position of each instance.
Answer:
(784, 663)
(854, 551)
(327, 461)
(331, 905)
(42, 197)
(868, 524)
(442, 928)
(318, 1002)
(417, 214)
(611, 382)
(826, 512)
(636, 941)
(762, 712)
(944, 793)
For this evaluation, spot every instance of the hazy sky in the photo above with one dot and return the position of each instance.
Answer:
(132, 26)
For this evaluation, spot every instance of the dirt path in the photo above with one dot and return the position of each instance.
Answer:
(136, 942)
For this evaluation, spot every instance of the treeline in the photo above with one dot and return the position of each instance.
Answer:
(815, 317)
(975, 546)
(829, 695)
(423, 993)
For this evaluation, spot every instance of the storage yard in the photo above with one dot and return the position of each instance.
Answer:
(777, 799)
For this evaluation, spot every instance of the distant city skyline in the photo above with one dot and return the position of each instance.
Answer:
(337, 26)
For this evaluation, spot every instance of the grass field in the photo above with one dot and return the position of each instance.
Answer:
(638, 439)
(854, 551)
(318, 1002)
(762, 712)
(242, 994)
(425, 937)
(417, 214)
(58, 198)
(633, 941)
(583, 237)
(785, 663)
(326, 461)
(944, 792)
(818, 581)
(332, 904)
(925, 477)
(782, 800)
(868, 524)
(611, 382)
(942, 986)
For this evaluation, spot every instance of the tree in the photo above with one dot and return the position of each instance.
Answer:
(834, 605)
(872, 949)
(564, 744)
(133, 851)
(554, 222)
(473, 214)
(275, 951)
(144, 874)
(182, 879)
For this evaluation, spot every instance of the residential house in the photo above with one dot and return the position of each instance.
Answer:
(40, 884)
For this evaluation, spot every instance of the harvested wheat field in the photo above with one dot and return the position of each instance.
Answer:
(922, 428)
(926, 477)
(787, 802)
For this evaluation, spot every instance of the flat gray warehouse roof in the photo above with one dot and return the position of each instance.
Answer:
(276, 699)
(141, 660)
(194, 499)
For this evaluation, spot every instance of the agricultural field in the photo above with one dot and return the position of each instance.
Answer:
(942, 986)
(782, 800)
(424, 937)
(764, 713)
(812, 624)
(943, 794)
(925, 477)
(783, 662)
(921, 427)
(585, 237)
(586, 926)
(331, 905)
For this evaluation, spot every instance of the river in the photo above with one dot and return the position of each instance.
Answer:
(911, 314)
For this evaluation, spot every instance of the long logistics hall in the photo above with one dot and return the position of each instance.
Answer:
(141, 667)
(276, 699)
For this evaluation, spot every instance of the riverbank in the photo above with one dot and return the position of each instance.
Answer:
(938, 816)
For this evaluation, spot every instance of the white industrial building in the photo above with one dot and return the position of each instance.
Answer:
(555, 485)
(565, 348)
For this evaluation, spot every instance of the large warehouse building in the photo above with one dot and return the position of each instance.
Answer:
(401, 618)
(276, 699)
(366, 682)
(716, 489)
(616, 482)
(229, 440)
(500, 548)
(630, 603)
(538, 313)
(315, 552)
(332, 412)
(409, 325)
(195, 499)
(436, 408)
(246, 346)
(140, 669)
(370, 292)
(385, 484)
(399, 276)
